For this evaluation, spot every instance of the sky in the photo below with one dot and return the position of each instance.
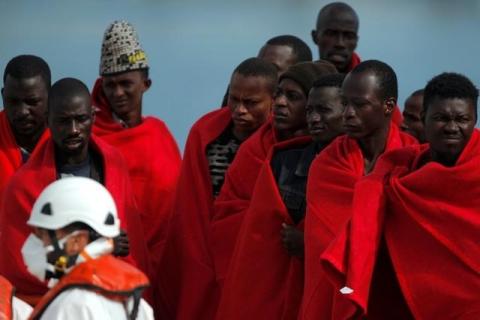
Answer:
(193, 46)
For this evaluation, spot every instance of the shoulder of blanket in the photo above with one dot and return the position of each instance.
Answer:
(293, 145)
(108, 151)
(407, 139)
(212, 118)
(401, 157)
(259, 142)
(207, 128)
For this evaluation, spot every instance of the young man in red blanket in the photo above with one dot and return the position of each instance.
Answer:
(419, 225)
(71, 151)
(265, 278)
(152, 155)
(26, 81)
(187, 274)
(370, 95)
(288, 121)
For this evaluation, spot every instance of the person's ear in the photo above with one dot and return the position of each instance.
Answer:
(314, 36)
(390, 105)
(147, 84)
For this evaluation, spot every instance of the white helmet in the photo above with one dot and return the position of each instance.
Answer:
(76, 199)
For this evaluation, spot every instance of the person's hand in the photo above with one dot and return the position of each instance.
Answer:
(292, 240)
(121, 245)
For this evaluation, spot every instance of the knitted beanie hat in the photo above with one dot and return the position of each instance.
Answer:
(121, 50)
(305, 73)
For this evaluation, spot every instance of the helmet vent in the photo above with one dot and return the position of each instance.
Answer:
(110, 220)
(47, 209)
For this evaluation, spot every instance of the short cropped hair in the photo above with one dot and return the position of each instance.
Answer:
(256, 67)
(28, 66)
(329, 80)
(66, 88)
(301, 50)
(386, 77)
(450, 85)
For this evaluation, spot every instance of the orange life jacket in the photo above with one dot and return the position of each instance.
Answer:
(107, 276)
(6, 295)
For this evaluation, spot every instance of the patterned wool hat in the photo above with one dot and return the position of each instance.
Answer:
(121, 50)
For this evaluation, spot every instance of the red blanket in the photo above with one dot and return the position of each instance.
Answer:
(24, 188)
(263, 281)
(331, 181)
(431, 223)
(354, 62)
(234, 198)
(10, 155)
(153, 161)
(187, 273)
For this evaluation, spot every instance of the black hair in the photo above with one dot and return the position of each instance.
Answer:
(449, 85)
(386, 78)
(28, 66)
(77, 226)
(301, 50)
(256, 67)
(335, 8)
(329, 80)
(417, 93)
(66, 88)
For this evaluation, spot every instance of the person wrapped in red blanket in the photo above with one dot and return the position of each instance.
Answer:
(265, 278)
(152, 155)
(186, 272)
(288, 121)
(71, 151)
(422, 208)
(26, 81)
(370, 94)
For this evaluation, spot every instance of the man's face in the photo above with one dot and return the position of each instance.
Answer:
(70, 123)
(281, 56)
(289, 107)
(336, 38)
(412, 117)
(324, 114)
(365, 112)
(25, 103)
(449, 124)
(124, 91)
(250, 100)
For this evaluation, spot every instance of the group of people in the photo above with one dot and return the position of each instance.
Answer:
(306, 195)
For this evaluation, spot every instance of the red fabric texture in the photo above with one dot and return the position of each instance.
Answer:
(187, 272)
(6, 295)
(153, 162)
(96, 275)
(10, 155)
(23, 190)
(330, 187)
(234, 198)
(429, 216)
(263, 281)
(354, 62)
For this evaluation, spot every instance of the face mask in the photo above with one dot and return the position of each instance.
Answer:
(58, 263)
(35, 257)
